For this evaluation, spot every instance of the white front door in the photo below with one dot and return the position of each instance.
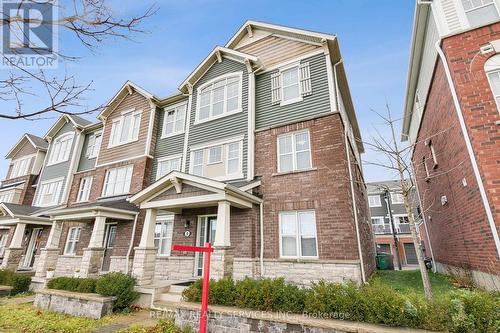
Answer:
(32, 248)
(205, 234)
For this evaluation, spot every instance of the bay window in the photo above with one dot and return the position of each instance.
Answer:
(61, 149)
(117, 181)
(72, 240)
(219, 97)
(298, 237)
(168, 164)
(294, 151)
(125, 129)
(49, 192)
(163, 234)
(222, 161)
(173, 122)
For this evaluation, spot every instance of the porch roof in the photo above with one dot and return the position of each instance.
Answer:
(116, 209)
(14, 213)
(210, 192)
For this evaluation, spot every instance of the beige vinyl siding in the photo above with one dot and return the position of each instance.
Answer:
(272, 50)
(268, 115)
(108, 155)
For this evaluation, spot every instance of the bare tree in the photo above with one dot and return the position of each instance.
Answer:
(398, 160)
(89, 22)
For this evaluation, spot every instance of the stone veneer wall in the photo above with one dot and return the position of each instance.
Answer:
(67, 265)
(118, 264)
(174, 268)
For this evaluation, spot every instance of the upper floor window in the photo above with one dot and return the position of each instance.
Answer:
(49, 192)
(84, 189)
(72, 240)
(117, 181)
(294, 151)
(397, 198)
(222, 161)
(298, 237)
(378, 220)
(479, 12)
(163, 234)
(61, 149)
(374, 201)
(125, 129)
(492, 68)
(7, 196)
(219, 97)
(173, 122)
(290, 84)
(168, 164)
(20, 167)
(94, 144)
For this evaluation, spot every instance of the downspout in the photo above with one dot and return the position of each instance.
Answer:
(470, 150)
(347, 146)
(261, 209)
(131, 243)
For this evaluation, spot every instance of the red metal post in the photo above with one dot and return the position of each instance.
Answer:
(204, 293)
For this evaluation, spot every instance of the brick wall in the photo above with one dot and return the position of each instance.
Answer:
(459, 230)
(325, 189)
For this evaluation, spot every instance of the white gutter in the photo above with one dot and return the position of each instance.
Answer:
(131, 244)
(470, 150)
(261, 208)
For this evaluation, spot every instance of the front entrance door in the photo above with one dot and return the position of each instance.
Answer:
(411, 254)
(33, 246)
(206, 234)
(109, 241)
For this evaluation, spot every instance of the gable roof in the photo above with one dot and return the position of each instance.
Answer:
(78, 122)
(209, 60)
(127, 89)
(35, 141)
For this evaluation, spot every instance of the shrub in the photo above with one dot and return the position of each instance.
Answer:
(193, 292)
(119, 285)
(19, 282)
(81, 285)
(222, 291)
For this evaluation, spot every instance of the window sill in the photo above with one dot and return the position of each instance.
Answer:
(213, 163)
(171, 135)
(113, 196)
(122, 143)
(298, 259)
(293, 172)
(294, 100)
(197, 121)
(56, 163)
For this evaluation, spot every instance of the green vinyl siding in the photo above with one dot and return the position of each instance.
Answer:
(226, 127)
(86, 163)
(172, 145)
(268, 115)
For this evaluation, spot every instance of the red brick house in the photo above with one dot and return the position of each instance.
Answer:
(452, 121)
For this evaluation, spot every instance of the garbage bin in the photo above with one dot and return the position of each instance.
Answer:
(384, 261)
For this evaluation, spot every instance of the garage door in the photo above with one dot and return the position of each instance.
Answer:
(411, 255)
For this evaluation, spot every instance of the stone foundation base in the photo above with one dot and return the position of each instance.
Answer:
(173, 268)
(68, 265)
(47, 259)
(12, 258)
(221, 263)
(119, 264)
(143, 268)
(484, 280)
(91, 262)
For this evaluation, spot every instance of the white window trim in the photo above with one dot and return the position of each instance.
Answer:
(27, 172)
(67, 241)
(78, 199)
(103, 193)
(167, 158)
(497, 70)
(221, 157)
(48, 181)
(168, 109)
(88, 154)
(297, 243)
(397, 202)
(494, 3)
(296, 99)
(225, 113)
(161, 219)
(294, 152)
(379, 200)
(120, 120)
(240, 173)
(10, 193)
(49, 157)
(378, 218)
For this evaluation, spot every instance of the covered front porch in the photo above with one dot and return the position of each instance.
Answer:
(90, 239)
(189, 210)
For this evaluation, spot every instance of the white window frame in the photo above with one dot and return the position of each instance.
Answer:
(127, 182)
(492, 66)
(381, 220)
(163, 219)
(18, 169)
(84, 189)
(93, 149)
(493, 2)
(396, 194)
(379, 201)
(298, 235)
(225, 113)
(7, 196)
(169, 159)
(57, 196)
(117, 127)
(300, 98)
(239, 173)
(219, 157)
(73, 241)
(294, 151)
(67, 153)
(176, 109)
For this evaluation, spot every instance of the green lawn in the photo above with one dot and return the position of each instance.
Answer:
(406, 281)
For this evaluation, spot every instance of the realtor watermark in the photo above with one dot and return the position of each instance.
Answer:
(29, 38)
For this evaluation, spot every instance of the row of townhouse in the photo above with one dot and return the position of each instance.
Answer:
(386, 201)
(451, 120)
(258, 153)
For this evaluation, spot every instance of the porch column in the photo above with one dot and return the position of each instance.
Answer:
(222, 258)
(93, 254)
(143, 267)
(50, 253)
(12, 255)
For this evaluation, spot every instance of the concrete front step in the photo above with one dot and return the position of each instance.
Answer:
(174, 294)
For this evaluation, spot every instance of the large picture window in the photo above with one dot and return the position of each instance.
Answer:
(117, 181)
(298, 237)
(163, 234)
(49, 192)
(219, 97)
(125, 129)
(294, 151)
(61, 149)
(221, 161)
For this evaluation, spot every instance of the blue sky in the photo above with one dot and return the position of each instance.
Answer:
(374, 38)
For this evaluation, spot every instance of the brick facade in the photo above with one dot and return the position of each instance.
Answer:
(459, 229)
